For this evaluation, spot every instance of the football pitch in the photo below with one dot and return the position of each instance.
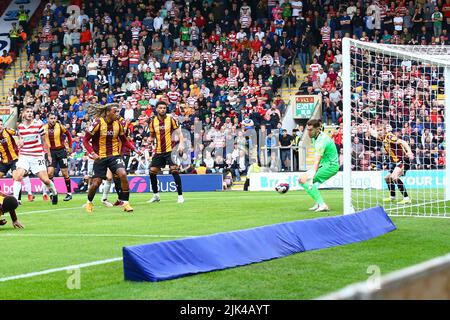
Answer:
(35, 261)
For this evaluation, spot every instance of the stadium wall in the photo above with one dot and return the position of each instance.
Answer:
(414, 179)
(424, 281)
(139, 184)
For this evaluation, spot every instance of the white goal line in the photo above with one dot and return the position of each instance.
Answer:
(435, 215)
(144, 202)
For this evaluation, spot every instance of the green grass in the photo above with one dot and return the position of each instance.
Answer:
(67, 236)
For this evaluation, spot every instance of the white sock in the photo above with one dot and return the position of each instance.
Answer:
(27, 183)
(156, 194)
(51, 188)
(106, 189)
(17, 186)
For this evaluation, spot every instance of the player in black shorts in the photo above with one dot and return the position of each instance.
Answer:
(400, 155)
(56, 134)
(405, 165)
(107, 135)
(5, 167)
(162, 127)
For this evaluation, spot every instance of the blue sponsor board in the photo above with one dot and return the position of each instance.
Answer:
(422, 179)
(190, 182)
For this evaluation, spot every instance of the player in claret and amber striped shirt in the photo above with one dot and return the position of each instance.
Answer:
(162, 127)
(400, 156)
(126, 154)
(9, 152)
(9, 204)
(55, 135)
(107, 135)
(9, 155)
(32, 147)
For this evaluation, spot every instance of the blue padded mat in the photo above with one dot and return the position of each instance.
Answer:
(173, 259)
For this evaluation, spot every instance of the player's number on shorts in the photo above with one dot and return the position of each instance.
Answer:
(64, 161)
(41, 162)
(119, 161)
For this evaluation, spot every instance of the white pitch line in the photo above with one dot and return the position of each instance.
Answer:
(80, 207)
(47, 211)
(40, 273)
(100, 235)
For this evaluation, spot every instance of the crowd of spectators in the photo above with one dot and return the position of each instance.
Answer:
(406, 96)
(218, 63)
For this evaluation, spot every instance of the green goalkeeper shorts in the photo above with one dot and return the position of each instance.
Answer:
(325, 172)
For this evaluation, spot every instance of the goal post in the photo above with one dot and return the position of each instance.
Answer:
(447, 126)
(405, 91)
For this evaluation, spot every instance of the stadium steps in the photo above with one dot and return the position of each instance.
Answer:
(309, 157)
(329, 130)
(239, 185)
(20, 64)
(12, 74)
(439, 96)
(286, 93)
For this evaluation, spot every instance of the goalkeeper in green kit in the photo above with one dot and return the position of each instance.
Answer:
(326, 164)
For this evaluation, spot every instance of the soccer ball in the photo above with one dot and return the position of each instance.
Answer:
(282, 187)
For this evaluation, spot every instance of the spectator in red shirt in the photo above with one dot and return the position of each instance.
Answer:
(199, 20)
(338, 138)
(86, 36)
(214, 37)
(332, 75)
(256, 44)
(225, 54)
(329, 57)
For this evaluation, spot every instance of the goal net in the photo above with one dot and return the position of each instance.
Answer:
(396, 100)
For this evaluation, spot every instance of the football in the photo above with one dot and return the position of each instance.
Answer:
(282, 187)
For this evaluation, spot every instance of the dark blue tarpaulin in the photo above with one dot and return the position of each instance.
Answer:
(172, 259)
